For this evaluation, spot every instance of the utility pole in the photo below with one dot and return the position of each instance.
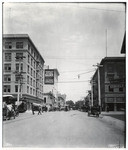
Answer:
(19, 77)
(92, 92)
(106, 42)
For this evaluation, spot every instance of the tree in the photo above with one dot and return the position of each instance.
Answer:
(70, 103)
(79, 104)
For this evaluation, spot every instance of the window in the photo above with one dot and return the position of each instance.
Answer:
(44, 99)
(34, 64)
(8, 45)
(31, 62)
(17, 67)
(7, 88)
(7, 56)
(28, 59)
(29, 47)
(34, 74)
(27, 79)
(16, 88)
(31, 81)
(19, 45)
(19, 56)
(111, 89)
(21, 67)
(17, 78)
(110, 68)
(34, 54)
(120, 89)
(32, 51)
(34, 83)
(31, 71)
(28, 68)
(7, 67)
(27, 89)
(30, 90)
(7, 78)
(33, 91)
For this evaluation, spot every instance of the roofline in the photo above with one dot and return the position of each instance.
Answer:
(108, 59)
(22, 36)
(111, 59)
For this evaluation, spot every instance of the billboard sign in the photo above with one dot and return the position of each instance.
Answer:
(49, 76)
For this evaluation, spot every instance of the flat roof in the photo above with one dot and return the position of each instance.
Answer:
(112, 59)
(22, 36)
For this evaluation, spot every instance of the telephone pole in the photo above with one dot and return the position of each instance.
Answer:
(19, 73)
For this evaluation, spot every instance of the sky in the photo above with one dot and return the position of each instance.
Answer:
(71, 37)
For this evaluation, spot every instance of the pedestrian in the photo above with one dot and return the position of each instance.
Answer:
(107, 108)
(39, 110)
(32, 107)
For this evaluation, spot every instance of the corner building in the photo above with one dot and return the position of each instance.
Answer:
(112, 84)
(22, 68)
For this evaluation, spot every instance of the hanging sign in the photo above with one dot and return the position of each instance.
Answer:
(49, 76)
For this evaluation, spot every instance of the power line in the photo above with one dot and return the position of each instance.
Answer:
(96, 8)
(72, 81)
(75, 71)
(86, 72)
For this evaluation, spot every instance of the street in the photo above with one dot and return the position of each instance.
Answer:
(72, 129)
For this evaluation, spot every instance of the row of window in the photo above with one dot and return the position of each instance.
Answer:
(8, 56)
(112, 89)
(119, 68)
(33, 64)
(8, 45)
(20, 45)
(33, 92)
(34, 74)
(7, 88)
(33, 83)
(7, 67)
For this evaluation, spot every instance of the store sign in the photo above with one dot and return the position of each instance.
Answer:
(49, 76)
(116, 85)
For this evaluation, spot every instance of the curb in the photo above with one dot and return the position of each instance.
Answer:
(118, 124)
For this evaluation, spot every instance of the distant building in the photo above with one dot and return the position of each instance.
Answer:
(50, 86)
(112, 83)
(61, 100)
(23, 68)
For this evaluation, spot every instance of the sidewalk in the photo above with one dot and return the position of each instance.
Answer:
(116, 123)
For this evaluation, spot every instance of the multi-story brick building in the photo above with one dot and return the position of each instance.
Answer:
(112, 84)
(22, 68)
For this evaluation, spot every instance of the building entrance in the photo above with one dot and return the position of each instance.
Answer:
(111, 106)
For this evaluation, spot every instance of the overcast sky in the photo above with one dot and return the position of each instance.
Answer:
(70, 37)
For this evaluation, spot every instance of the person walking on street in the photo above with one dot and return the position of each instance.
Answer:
(39, 110)
(32, 107)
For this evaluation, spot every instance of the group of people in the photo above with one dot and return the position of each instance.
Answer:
(9, 111)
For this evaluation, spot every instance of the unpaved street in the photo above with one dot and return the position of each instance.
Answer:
(60, 129)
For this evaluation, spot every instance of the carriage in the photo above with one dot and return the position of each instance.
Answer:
(11, 108)
(8, 107)
(94, 110)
